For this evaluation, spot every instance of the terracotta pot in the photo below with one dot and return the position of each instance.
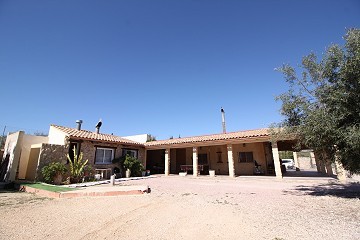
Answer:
(57, 179)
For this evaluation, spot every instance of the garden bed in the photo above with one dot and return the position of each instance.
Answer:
(47, 187)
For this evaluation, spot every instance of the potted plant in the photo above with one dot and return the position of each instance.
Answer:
(133, 166)
(53, 173)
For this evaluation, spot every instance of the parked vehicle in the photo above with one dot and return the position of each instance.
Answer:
(288, 163)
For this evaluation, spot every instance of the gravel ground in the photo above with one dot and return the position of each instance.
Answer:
(189, 208)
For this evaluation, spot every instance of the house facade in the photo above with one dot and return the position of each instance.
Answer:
(25, 159)
(233, 154)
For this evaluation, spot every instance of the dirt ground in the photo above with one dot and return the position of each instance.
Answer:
(192, 208)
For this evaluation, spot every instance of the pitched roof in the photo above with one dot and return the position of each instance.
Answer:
(264, 132)
(88, 135)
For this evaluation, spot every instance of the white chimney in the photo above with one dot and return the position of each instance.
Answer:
(223, 120)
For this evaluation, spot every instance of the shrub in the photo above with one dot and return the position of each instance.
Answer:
(53, 170)
(134, 165)
(89, 173)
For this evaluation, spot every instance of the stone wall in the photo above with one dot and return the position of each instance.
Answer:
(88, 148)
(50, 153)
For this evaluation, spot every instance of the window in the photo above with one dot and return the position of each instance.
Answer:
(104, 155)
(130, 152)
(246, 157)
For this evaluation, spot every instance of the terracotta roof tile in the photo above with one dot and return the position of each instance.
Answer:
(88, 135)
(264, 132)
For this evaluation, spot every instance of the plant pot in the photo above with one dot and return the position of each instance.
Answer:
(75, 179)
(57, 179)
(128, 173)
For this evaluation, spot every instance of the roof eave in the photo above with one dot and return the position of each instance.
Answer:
(106, 141)
(265, 138)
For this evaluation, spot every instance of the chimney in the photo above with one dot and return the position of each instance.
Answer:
(79, 122)
(223, 120)
(98, 125)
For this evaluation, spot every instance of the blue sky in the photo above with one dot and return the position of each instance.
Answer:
(159, 67)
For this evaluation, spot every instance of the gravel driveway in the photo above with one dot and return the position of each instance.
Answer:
(192, 208)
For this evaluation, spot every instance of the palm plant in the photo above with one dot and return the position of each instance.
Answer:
(77, 166)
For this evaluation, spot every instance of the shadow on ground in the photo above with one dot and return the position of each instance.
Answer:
(303, 173)
(350, 190)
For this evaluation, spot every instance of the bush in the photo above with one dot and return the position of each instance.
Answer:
(134, 165)
(52, 171)
(89, 173)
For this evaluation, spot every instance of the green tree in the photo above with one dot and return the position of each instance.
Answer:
(322, 105)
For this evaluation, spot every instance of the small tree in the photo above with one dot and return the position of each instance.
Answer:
(77, 166)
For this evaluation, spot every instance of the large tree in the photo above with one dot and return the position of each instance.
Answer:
(322, 105)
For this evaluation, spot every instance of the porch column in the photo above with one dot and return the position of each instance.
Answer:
(340, 171)
(328, 167)
(312, 160)
(145, 158)
(231, 161)
(322, 165)
(317, 163)
(276, 157)
(297, 165)
(167, 161)
(195, 161)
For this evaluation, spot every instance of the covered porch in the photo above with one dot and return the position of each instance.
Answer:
(230, 154)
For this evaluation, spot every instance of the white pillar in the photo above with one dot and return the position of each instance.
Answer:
(317, 162)
(167, 162)
(296, 160)
(328, 167)
(312, 160)
(145, 158)
(340, 171)
(322, 166)
(195, 161)
(231, 161)
(275, 152)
